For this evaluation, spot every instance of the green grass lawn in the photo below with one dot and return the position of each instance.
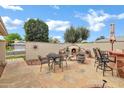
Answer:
(15, 56)
(9, 48)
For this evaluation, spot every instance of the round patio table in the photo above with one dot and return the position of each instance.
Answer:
(54, 57)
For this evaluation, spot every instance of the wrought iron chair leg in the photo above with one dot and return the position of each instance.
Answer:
(49, 65)
(103, 73)
(112, 72)
(62, 66)
(95, 63)
(66, 64)
(54, 66)
(41, 68)
(104, 69)
(111, 69)
(97, 68)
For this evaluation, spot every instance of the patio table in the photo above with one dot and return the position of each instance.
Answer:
(53, 56)
(119, 62)
(55, 59)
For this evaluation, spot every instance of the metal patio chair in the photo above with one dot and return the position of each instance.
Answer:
(96, 57)
(43, 60)
(104, 59)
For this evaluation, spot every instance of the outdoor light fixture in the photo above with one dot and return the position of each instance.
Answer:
(35, 46)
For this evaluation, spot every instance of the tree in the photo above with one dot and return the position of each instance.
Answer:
(84, 33)
(73, 35)
(36, 30)
(12, 37)
(53, 40)
(101, 37)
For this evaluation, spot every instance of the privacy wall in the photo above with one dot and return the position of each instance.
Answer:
(33, 49)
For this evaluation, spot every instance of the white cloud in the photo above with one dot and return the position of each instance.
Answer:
(96, 19)
(58, 25)
(58, 37)
(14, 8)
(120, 16)
(55, 7)
(30, 18)
(11, 24)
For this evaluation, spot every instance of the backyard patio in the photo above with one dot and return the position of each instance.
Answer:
(18, 74)
(76, 57)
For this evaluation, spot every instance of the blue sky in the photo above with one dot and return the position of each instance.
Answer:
(96, 18)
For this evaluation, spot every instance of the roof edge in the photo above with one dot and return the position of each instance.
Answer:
(5, 30)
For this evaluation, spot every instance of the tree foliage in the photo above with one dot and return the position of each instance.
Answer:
(13, 36)
(73, 35)
(53, 40)
(36, 30)
(101, 37)
(84, 32)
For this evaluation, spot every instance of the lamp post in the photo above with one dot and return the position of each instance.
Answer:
(112, 35)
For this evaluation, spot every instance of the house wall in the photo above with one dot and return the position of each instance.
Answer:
(44, 48)
(2, 52)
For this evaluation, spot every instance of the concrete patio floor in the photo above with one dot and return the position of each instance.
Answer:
(18, 74)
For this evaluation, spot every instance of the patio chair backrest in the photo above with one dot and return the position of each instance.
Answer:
(103, 56)
(62, 51)
(43, 59)
(39, 57)
(63, 57)
(98, 54)
(95, 52)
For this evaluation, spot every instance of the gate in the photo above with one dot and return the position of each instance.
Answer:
(15, 52)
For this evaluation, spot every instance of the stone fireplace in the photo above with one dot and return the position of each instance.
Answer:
(73, 49)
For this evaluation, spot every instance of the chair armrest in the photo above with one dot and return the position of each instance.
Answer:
(114, 58)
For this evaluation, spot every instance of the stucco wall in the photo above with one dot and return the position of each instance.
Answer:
(2, 52)
(44, 48)
(103, 46)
